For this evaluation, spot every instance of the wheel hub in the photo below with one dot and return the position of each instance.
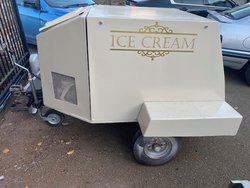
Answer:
(53, 119)
(157, 148)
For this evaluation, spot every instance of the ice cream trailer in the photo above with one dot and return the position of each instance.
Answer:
(159, 67)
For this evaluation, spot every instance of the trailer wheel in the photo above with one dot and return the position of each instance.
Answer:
(155, 151)
(54, 118)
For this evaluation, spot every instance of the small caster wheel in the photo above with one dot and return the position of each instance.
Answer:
(54, 118)
(155, 150)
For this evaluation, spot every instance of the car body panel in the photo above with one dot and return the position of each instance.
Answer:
(199, 8)
(30, 15)
(235, 39)
(234, 63)
(234, 35)
(34, 18)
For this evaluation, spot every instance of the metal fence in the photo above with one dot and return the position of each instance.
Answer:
(11, 40)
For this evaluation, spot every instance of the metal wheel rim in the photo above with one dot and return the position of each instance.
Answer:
(157, 148)
(53, 119)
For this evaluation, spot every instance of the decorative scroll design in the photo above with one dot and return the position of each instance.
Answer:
(152, 54)
(156, 28)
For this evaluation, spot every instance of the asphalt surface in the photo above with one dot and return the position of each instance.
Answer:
(99, 156)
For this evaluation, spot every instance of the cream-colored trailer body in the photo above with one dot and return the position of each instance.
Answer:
(160, 67)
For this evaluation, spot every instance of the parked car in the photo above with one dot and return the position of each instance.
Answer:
(235, 35)
(198, 7)
(35, 13)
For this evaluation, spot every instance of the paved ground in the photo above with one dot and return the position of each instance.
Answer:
(100, 155)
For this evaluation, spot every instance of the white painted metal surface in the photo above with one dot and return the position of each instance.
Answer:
(62, 49)
(120, 57)
(121, 78)
(159, 119)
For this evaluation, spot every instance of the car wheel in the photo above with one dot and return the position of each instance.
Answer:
(155, 150)
(247, 73)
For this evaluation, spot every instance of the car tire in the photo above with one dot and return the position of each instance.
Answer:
(247, 73)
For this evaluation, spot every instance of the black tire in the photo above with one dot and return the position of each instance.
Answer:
(54, 118)
(144, 156)
(247, 73)
(136, 135)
